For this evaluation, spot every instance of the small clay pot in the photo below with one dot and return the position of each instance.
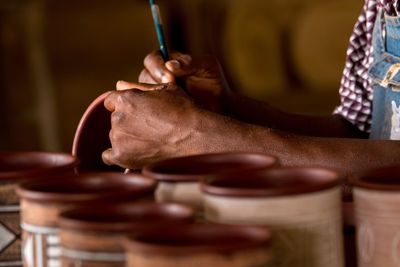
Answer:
(199, 245)
(42, 202)
(92, 137)
(16, 167)
(92, 235)
(376, 195)
(301, 205)
(179, 177)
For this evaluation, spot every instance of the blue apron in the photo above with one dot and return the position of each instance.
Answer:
(385, 77)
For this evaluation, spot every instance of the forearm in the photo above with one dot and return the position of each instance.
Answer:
(260, 113)
(347, 155)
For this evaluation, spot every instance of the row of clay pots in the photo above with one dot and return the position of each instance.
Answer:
(53, 200)
(15, 168)
(301, 207)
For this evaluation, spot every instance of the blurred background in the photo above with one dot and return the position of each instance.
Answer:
(56, 56)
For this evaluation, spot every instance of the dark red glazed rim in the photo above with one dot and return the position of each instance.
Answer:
(126, 216)
(199, 238)
(273, 182)
(87, 187)
(195, 168)
(386, 179)
(29, 164)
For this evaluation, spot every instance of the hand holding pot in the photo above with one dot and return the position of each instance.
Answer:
(150, 122)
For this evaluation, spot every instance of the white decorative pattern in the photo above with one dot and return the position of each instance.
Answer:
(27, 251)
(10, 208)
(396, 249)
(93, 256)
(6, 237)
(366, 242)
(41, 243)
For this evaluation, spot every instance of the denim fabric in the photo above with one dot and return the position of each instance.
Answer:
(385, 77)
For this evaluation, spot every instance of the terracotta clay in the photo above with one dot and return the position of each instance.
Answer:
(301, 205)
(91, 236)
(42, 202)
(16, 167)
(179, 177)
(92, 137)
(377, 216)
(200, 245)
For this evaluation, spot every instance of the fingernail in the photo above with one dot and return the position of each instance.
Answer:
(121, 82)
(166, 79)
(186, 58)
(173, 64)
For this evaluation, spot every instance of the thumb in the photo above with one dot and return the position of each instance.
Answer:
(123, 85)
(179, 68)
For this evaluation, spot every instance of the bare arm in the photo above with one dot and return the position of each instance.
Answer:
(260, 113)
(347, 155)
(163, 122)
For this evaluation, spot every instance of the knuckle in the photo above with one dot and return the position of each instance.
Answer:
(117, 118)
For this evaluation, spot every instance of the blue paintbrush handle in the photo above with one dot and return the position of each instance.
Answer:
(159, 29)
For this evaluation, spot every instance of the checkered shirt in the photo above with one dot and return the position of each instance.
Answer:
(355, 89)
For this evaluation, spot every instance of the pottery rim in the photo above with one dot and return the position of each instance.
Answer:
(272, 182)
(123, 217)
(199, 238)
(196, 167)
(87, 187)
(385, 179)
(17, 165)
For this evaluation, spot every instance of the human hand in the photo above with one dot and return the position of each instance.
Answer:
(201, 76)
(148, 123)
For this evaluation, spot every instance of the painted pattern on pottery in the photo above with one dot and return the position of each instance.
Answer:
(81, 258)
(41, 246)
(378, 228)
(293, 246)
(10, 232)
(307, 228)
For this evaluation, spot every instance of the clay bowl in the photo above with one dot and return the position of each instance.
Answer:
(26, 165)
(16, 167)
(96, 230)
(92, 137)
(203, 244)
(299, 204)
(283, 181)
(179, 177)
(42, 202)
(376, 195)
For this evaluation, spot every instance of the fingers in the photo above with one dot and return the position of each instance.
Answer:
(165, 72)
(155, 65)
(110, 102)
(180, 65)
(108, 157)
(123, 85)
(145, 77)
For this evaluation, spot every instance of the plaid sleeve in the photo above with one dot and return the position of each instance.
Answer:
(355, 88)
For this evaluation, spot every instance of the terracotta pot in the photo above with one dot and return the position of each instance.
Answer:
(200, 245)
(16, 167)
(43, 201)
(377, 216)
(179, 177)
(301, 205)
(91, 236)
(92, 137)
